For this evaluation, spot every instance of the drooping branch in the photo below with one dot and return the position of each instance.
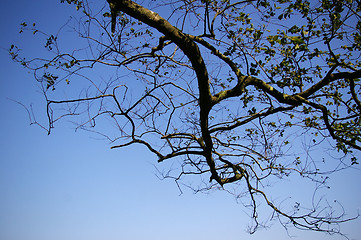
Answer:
(325, 115)
(191, 50)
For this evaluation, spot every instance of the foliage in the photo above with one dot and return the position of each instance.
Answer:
(242, 92)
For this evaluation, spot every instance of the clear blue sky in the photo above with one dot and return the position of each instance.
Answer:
(71, 186)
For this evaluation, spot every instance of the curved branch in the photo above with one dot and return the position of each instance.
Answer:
(328, 125)
(354, 95)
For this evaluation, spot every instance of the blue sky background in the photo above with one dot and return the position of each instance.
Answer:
(71, 186)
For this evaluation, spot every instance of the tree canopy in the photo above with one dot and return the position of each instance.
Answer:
(238, 93)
